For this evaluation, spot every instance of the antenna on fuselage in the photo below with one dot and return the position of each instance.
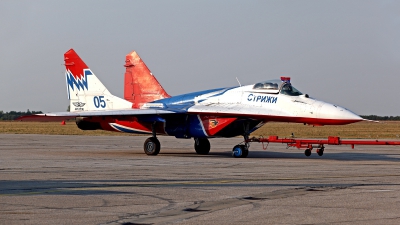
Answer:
(238, 82)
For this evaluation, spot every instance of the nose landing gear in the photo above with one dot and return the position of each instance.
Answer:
(240, 151)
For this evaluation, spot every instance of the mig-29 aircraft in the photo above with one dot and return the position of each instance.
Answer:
(222, 112)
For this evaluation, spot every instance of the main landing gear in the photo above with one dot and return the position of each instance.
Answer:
(202, 146)
(152, 145)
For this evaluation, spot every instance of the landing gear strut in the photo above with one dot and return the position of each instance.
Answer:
(202, 146)
(152, 145)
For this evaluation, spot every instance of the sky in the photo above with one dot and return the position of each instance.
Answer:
(342, 52)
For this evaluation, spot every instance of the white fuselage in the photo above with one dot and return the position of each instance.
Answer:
(245, 101)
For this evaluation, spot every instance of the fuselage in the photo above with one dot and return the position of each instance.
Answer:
(228, 112)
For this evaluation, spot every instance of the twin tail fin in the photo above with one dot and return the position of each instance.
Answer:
(85, 91)
(140, 84)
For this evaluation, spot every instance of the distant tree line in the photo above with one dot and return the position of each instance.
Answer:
(375, 117)
(12, 115)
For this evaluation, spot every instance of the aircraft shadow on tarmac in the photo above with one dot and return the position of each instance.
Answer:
(297, 154)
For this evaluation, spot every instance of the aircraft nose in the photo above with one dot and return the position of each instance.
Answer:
(337, 114)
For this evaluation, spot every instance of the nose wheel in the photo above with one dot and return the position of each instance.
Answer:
(240, 151)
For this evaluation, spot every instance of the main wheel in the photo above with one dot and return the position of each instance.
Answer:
(152, 146)
(202, 146)
(307, 152)
(240, 151)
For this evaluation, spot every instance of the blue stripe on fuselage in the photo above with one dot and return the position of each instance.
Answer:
(188, 99)
(127, 129)
(196, 127)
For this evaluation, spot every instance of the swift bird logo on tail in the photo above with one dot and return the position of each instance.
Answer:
(79, 81)
(76, 73)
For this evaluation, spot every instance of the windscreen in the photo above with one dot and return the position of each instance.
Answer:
(288, 89)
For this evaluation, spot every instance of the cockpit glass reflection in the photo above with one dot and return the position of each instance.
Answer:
(288, 89)
(268, 85)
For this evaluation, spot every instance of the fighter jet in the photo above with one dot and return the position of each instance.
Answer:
(217, 113)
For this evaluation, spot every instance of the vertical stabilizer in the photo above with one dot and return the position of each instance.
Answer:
(140, 84)
(85, 90)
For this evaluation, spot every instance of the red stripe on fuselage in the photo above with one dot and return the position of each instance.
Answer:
(213, 124)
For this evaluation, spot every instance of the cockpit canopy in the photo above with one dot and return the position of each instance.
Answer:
(267, 86)
(277, 86)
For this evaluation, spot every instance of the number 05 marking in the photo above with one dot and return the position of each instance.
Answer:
(99, 102)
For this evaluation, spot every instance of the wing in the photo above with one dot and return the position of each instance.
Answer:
(59, 116)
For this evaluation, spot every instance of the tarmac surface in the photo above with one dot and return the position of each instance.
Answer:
(51, 179)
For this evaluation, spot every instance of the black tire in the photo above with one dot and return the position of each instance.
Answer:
(240, 151)
(245, 152)
(307, 152)
(202, 146)
(320, 152)
(152, 146)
